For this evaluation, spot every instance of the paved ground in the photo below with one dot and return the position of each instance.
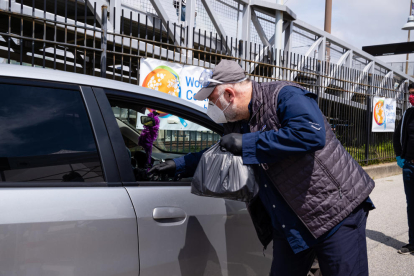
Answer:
(387, 230)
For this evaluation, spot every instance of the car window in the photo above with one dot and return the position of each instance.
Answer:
(174, 138)
(46, 136)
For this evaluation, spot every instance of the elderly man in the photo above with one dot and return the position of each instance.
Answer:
(313, 198)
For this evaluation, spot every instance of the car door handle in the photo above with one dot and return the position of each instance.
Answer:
(168, 214)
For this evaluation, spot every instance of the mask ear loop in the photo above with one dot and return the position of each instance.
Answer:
(215, 103)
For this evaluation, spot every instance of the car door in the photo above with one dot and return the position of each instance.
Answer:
(63, 210)
(180, 233)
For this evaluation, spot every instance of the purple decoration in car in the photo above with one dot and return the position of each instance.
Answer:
(148, 135)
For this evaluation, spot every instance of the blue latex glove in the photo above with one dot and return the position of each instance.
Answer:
(400, 161)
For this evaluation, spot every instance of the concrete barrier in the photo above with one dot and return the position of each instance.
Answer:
(383, 170)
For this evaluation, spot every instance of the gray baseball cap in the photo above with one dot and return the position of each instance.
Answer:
(227, 71)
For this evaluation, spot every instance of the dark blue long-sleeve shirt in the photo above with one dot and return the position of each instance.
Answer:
(302, 131)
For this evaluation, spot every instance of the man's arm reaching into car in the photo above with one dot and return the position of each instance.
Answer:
(184, 166)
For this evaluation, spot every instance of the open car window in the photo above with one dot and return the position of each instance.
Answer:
(175, 136)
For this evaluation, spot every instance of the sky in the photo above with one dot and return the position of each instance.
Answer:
(359, 22)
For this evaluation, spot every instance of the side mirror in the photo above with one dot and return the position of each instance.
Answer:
(147, 121)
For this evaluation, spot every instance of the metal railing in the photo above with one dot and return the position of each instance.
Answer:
(178, 141)
(401, 66)
(78, 42)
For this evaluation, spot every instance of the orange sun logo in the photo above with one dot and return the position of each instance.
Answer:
(379, 113)
(165, 80)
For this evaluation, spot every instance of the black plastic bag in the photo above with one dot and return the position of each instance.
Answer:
(221, 174)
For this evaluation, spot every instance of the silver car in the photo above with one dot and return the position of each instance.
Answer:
(75, 198)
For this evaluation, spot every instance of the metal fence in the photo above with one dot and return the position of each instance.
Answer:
(402, 67)
(67, 36)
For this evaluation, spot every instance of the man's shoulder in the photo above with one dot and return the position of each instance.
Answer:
(288, 86)
(288, 92)
(409, 111)
(294, 89)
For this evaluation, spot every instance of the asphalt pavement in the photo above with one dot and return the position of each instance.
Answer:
(387, 229)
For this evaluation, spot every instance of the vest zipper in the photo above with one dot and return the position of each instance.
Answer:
(331, 177)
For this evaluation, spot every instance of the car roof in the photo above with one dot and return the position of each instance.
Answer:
(46, 74)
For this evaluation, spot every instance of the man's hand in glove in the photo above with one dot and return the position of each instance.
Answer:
(167, 167)
(232, 143)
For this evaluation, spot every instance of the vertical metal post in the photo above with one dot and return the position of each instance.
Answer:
(328, 20)
(94, 39)
(55, 36)
(75, 51)
(179, 12)
(9, 34)
(321, 69)
(409, 32)
(33, 32)
(171, 139)
(368, 111)
(66, 33)
(278, 36)
(21, 34)
(190, 19)
(176, 140)
(183, 132)
(238, 17)
(114, 20)
(44, 35)
(85, 36)
(368, 118)
(104, 40)
(289, 37)
(245, 36)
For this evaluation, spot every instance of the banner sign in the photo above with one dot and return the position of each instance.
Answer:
(173, 79)
(383, 114)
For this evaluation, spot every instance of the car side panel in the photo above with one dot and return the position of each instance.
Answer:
(216, 237)
(67, 231)
(194, 245)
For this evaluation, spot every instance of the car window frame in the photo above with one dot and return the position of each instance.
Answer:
(101, 137)
(104, 95)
